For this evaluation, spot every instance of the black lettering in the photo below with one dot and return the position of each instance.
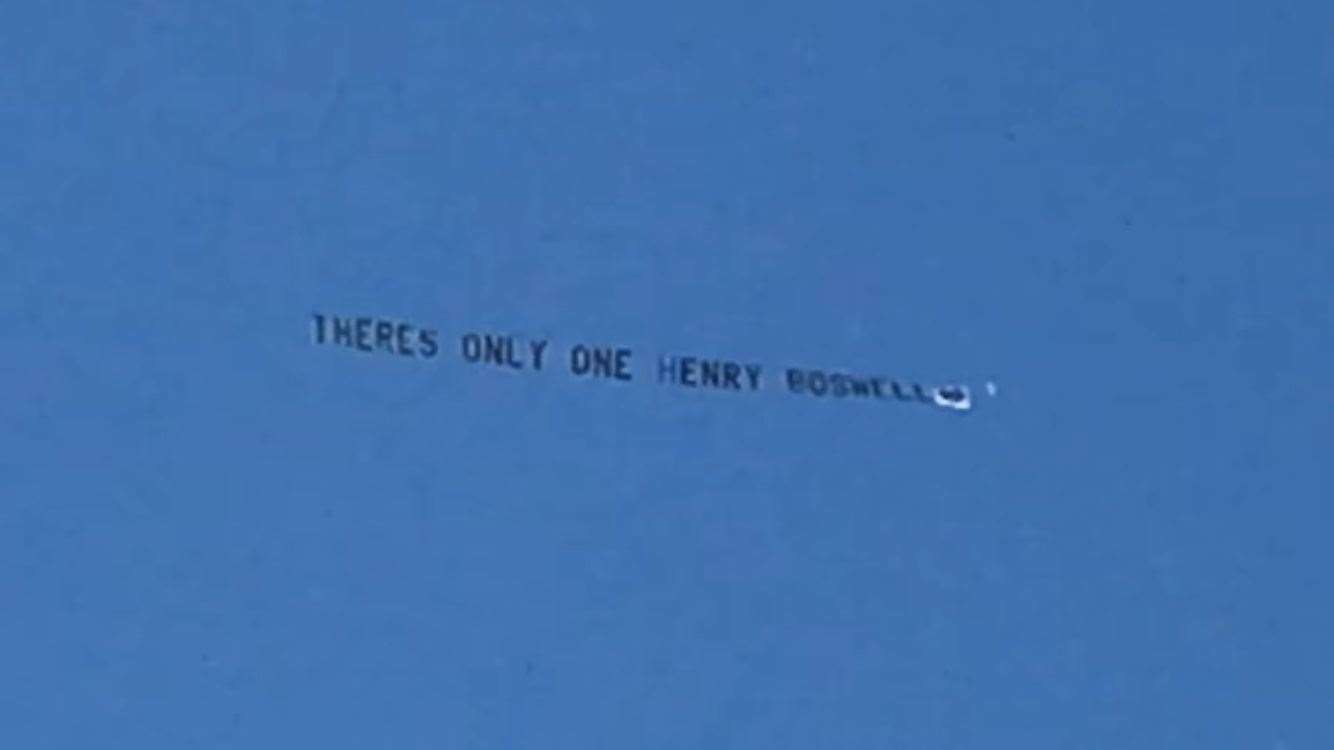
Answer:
(687, 365)
(859, 387)
(794, 380)
(708, 373)
(580, 361)
(384, 336)
(472, 347)
(839, 384)
(876, 385)
(538, 348)
(819, 384)
(622, 364)
(602, 362)
(753, 372)
(493, 349)
(731, 373)
(667, 369)
(342, 331)
(509, 354)
(922, 395)
(402, 335)
(319, 328)
(898, 392)
(427, 340)
(364, 334)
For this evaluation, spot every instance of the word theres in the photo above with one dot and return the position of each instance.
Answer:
(376, 334)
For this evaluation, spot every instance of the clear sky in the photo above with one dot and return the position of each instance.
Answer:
(216, 531)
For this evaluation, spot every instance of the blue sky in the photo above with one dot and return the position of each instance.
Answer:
(218, 533)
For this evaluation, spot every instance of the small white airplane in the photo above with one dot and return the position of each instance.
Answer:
(955, 397)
